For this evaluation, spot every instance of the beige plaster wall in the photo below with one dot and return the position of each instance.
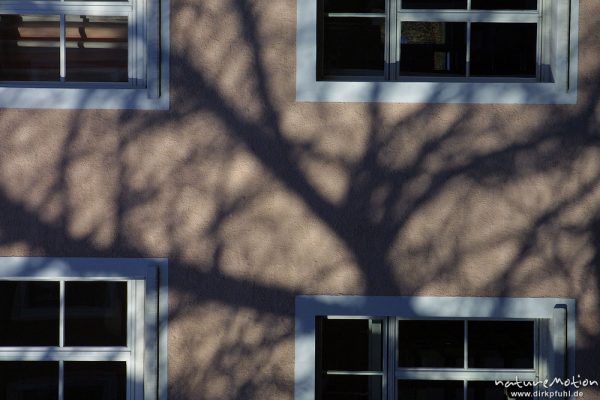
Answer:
(256, 198)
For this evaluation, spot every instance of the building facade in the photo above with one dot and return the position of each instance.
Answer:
(262, 183)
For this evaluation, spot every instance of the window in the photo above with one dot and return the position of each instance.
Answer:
(451, 348)
(481, 51)
(83, 328)
(84, 54)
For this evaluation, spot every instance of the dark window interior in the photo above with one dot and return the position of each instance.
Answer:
(433, 48)
(429, 390)
(500, 344)
(434, 4)
(340, 387)
(349, 345)
(353, 46)
(29, 48)
(29, 380)
(354, 6)
(95, 380)
(95, 314)
(437, 344)
(29, 313)
(504, 4)
(96, 48)
(486, 390)
(503, 49)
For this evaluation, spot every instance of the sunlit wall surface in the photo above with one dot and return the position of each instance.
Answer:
(256, 198)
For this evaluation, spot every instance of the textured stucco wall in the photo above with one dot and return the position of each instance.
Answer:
(256, 198)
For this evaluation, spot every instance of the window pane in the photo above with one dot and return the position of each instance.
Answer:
(96, 49)
(430, 390)
(95, 380)
(31, 380)
(354, 46)
(29, 313)
(95, 314)
(352, 344)
(500, 344)
(433, 48)
(490, 391)
(355, 6)
(433, 4)
(504, 4)
(29, 48)
(431, 344)
(503, 49)
(343, 387)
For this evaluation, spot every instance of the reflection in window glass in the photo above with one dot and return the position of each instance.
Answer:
(431, 344)
(96, 49)
(434, 4)
(354, 46)
(29, 380)
(503, 49)
(500, 344)
(504, 4)
(29, 47)
(95, 314)
(355, 6)
(352, 344)
(91, 380)
(433, 48)
(486, 390)
(340, 387)
(29, 313)
(430, 390)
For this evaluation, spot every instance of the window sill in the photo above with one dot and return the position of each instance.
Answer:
(78, 98)
(435, 92)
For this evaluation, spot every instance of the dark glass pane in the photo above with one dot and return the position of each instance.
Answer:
(102, 380)
(433, 48)
(96, 49)
(504, 4)
(490, 391)
(431, 344)
(351, 344)
(354, 6)
(340, 387)
(29, 380)
(434, 4)
(354, 46)
(500, 344)
(29, 313)
(430, 390)
(503, 49)
(95, 314)
(29, 48)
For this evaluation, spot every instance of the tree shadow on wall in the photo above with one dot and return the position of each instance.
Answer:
(255, 198)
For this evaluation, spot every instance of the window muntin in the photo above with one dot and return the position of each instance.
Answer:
(435, 359)
(133, 369)
(547, 322)
(84, 54)
(90, 320)
(72, 48)
(423, 39)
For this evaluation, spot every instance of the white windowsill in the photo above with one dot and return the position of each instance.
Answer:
(77, 98)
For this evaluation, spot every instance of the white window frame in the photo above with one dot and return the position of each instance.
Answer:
(147, 306)
(148, 59)
(557, 62)
(554, 316)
